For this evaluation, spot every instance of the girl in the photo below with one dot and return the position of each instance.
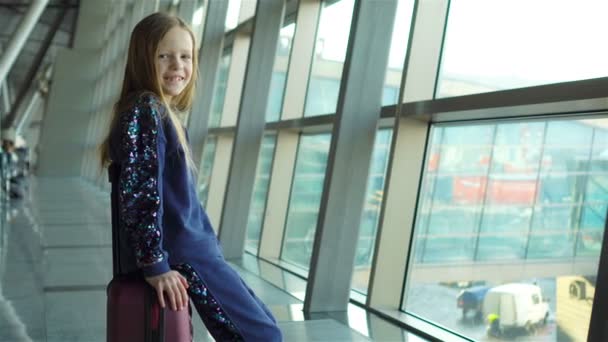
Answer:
(169, 237)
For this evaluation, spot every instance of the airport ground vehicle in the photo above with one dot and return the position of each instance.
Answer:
(517, 305)
(471, 300)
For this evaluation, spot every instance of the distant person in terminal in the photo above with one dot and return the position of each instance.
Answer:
(494, 325)
(14, 165)
(171, 241)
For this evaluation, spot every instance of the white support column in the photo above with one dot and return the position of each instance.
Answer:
(76, 71)
(20, 36)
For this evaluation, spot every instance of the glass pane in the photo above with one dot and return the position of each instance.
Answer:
(399, 40)
(219, 94)
(371, 212)
(520, 245)
(485, 50)
(561, 191)
(457, 190)
(205, 170)
(429, 183)
(247, 10)
(511, 193)
(279, 74)
(305, 199)
(232, 16)
(330, 52)
(596, 197)
(198, 23)
(260, 193)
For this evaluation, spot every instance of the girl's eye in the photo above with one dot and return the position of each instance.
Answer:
(186, 57)
(162, 56)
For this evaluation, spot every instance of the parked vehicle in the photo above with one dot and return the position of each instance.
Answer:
(471, 299)
(517, 306)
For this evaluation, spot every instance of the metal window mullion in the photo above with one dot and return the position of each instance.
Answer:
(350, 153)
(538, 175)
(558, 99)
(432, 200)
(388, 281)
(250, 126)
(485, 195)
(598, 325)
(583, 197)
(210, 55)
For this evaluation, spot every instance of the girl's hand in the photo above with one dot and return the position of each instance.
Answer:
(172, 284)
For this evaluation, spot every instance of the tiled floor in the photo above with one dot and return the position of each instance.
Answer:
(55, 261)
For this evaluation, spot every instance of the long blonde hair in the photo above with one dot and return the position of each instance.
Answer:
(141, 76)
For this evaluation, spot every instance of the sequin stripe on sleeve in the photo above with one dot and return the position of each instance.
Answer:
(139, 193)
(214, 317)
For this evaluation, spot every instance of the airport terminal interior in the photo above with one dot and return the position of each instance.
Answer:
(375, 170)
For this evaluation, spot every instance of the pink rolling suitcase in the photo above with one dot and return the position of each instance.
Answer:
(133, 311)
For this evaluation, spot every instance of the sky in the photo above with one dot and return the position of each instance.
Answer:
(508, 42)
(517, 41)
(540, 41)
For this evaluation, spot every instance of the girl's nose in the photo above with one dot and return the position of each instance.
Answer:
(175, 63)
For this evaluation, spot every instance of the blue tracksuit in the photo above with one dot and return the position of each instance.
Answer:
(165, 226)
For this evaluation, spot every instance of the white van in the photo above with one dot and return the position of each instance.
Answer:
(517, 305)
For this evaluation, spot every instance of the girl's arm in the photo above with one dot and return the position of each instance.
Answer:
(140, 183)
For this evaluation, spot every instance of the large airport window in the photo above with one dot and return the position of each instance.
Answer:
(509, 228)
(219, 93)
(206, 168)
(279, 74)
(257, 208)
(497, 45)
(305, 199)
(396, 58)
(232, 14)
(328, 60)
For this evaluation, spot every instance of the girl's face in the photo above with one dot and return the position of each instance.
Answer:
(174, 61)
